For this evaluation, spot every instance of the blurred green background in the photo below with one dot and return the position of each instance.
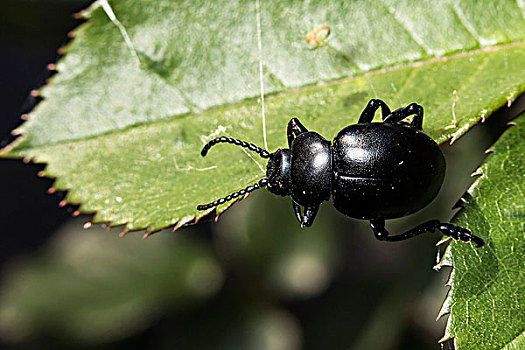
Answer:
(253, 280)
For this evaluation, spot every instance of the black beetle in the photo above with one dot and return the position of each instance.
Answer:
(372, 171)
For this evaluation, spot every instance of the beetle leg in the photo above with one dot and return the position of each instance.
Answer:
(459, 233)
(451, 230)
(378, 226)
(370, 110)
(294, 128)
(309, 216)
(307, 219)
(404, 112)
(297, 211)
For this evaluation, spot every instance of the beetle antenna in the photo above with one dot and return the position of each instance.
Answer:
(223, 139)
(260, 184)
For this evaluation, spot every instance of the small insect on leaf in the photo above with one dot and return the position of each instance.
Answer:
(318, 37)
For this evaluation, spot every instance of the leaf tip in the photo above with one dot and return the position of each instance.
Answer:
(477, 173)
(16, 132)
(444, 339)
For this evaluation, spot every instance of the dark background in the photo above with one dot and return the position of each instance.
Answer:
(376, 287)
(30, 34)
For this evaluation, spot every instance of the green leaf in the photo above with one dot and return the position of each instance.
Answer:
(486, 300)
(95, 287)
(122, 123)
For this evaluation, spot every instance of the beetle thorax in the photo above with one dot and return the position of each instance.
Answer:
(311, 169)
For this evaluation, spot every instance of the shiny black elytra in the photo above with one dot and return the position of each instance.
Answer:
(372, 171)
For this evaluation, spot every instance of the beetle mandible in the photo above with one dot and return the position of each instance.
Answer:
(372, 171)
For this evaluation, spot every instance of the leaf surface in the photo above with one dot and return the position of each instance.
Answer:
(486, 300)
(122, 123)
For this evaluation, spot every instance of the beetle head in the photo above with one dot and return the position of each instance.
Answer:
(278, 172)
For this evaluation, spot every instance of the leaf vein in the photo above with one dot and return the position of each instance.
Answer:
(521, 7)
(463, 21)
(413, 36)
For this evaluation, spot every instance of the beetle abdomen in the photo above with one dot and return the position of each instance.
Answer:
(384, 170)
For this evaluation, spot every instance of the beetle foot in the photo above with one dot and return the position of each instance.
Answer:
(378, 226)
(306, 221)
(309, 216)
(460, 233)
